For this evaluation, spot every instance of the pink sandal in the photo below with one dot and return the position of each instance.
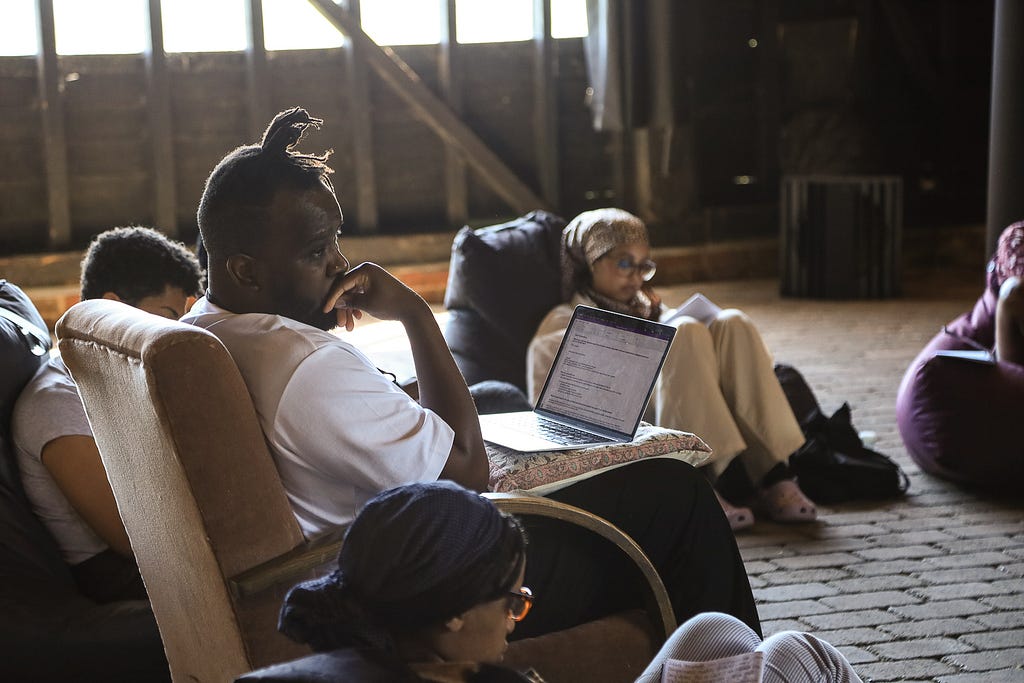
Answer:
(783, 501)
(739, 518)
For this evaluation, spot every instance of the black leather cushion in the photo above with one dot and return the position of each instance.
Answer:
(502, 280)
(19, 360)
(27, 551)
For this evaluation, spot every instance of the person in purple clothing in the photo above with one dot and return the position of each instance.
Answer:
(955, 414)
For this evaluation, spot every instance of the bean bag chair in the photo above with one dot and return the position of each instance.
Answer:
(502, 280)
(958, 418)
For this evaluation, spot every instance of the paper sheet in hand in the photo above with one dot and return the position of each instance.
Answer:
(973, 355)
(697, 306)
(744, 668)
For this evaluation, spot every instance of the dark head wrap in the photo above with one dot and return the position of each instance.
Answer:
(591, 235)
(414, 556)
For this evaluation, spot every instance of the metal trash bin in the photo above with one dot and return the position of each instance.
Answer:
(841, 236)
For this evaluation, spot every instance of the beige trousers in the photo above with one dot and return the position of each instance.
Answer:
(719, 383)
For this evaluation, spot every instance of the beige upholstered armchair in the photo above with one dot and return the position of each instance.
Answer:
(209, 521)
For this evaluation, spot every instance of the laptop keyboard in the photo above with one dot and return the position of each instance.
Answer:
(557, 432)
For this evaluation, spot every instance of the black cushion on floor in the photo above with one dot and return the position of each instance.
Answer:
(502, 280)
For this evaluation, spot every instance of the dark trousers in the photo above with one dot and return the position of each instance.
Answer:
(108, 577)
(669, 509)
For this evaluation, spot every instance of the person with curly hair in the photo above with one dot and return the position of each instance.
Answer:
(60, 467)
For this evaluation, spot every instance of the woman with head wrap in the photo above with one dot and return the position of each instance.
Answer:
(429, 585)
(718, 380)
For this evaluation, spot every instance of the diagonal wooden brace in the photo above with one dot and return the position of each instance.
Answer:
(430, 109)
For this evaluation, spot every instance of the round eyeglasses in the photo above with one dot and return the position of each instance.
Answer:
(519, 603)
(645, 268)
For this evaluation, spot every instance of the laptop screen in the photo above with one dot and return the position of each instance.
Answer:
(605, 369)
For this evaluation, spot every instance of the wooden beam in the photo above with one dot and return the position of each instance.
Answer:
(165, 194)
(51, 105)
(257, 80)
(367, 209)
(545, 106)
(432, 111)
(450, 76)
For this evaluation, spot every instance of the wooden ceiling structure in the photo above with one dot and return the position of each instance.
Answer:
(464, 148)
(429, 138)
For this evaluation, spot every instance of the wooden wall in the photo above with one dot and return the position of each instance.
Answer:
(914, 83)
(109, 150)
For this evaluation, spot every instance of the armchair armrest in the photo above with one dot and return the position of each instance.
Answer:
(289, 567)
(659, 606)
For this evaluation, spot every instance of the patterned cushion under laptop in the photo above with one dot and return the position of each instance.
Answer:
(542, 473)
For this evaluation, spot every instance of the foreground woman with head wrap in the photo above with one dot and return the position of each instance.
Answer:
(718, 380)
(429, 585)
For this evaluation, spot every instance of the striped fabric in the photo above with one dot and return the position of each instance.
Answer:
(789, 656)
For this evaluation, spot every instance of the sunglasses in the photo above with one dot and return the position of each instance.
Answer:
(519, 603)
(645, 268)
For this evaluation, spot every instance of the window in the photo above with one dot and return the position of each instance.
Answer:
(486, 21)
(18, 33)
(291, 25)
(402, 22)
(120, 26)
(569, 19)
(203, 25)
(100, 28)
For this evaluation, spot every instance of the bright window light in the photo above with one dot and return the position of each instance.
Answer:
(120, 26)
(202, 25)
(402, 22)
(102, 27)
(486, 21)
(18, 33)
(297, 25)
(569, 19)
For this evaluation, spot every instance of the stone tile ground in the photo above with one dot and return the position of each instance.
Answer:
(926, 588)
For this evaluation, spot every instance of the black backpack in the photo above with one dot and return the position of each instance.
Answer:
(833, 465)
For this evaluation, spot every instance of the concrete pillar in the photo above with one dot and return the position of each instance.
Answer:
(1006, 134)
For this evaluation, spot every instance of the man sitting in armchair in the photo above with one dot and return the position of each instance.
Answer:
(341, 431)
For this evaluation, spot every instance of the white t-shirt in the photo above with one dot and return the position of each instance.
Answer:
(49, 407)
(339, 431)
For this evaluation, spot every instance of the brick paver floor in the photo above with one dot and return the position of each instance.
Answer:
(929, 587)
(926, 588)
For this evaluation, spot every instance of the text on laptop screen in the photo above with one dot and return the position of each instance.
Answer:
(604, 371)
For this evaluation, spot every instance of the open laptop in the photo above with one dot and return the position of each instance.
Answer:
(597, 388)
